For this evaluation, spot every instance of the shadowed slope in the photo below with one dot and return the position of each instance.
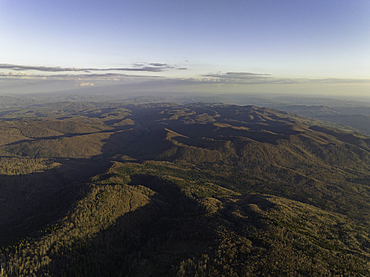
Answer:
(213, 190)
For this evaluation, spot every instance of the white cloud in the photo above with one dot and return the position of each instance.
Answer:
(83, 84)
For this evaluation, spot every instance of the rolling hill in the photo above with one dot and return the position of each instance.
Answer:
(99, 189)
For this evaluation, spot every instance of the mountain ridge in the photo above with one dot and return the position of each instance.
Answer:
(207, 189)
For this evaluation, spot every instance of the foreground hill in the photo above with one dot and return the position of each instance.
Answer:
(198, 189)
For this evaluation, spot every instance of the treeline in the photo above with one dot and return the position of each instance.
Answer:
(20, 166)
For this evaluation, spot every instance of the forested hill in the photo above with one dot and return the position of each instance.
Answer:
(99, 189)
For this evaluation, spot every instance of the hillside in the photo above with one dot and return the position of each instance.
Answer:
(164, 189)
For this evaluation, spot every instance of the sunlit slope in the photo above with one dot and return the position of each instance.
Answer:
(252, 149)
(78, 137)
(39, 156)
(262, 150)
(213, 190)
(130, 221)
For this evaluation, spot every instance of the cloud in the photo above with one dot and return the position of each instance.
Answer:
(240, 77)
(258, 78)
(237, 75)
(339, 81)
(38, 68)
(16, 74)
(85, 85)
(97, 76)
(78, 77)
(158, 64)
(143, 67)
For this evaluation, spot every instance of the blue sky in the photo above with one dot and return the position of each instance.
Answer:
(189, 45)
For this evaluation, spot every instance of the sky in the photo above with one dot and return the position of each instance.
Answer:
(313, 47)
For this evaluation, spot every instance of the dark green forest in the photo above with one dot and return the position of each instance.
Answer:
(166, 189)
